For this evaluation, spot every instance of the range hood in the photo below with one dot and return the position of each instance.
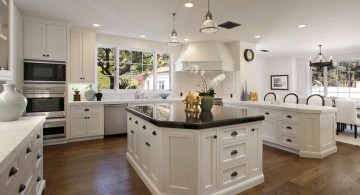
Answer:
(213, 56)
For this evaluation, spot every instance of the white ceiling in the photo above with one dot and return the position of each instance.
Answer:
(333, 23)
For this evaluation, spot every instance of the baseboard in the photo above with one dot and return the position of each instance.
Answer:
(294, 151)
(77, 139)
(319, 155)
(55, 141)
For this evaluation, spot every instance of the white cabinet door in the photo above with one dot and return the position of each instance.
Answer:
(155, 163)
(208, 161)
(270, 130)
(256, 148)
(94, 125)
(34, 41)
(137, 146)
(130, 139)
(145, 155)
(76, 57)
(77, 126)
(179, 162)
(56, 43)
(88, 57)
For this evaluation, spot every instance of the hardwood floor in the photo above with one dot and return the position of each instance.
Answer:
(100, 167)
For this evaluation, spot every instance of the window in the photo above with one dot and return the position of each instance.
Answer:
(133, 69)
(343, 80)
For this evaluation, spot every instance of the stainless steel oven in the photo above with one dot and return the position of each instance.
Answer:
(54, 129)
(45, 100)
(44, 72)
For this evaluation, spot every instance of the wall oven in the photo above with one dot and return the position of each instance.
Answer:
(54, 129)
(47, 72)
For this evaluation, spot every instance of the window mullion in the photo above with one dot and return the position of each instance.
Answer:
(155, 64)
(116, 77)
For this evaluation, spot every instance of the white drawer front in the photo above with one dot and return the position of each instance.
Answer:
(25, 182)
(232, 152)
(269, 113)
(231, 134)
(10, 176)
(289, 127)
(289, 116)
(27, 153)
(85, 109)
(234, 174)
(289, 141)
(154, 132)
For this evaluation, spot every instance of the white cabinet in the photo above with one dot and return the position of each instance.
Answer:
(44, 41)
(86, 121)
(6, 39)
(270, 130)
(82, 57)
(208, 161)
(256, 147)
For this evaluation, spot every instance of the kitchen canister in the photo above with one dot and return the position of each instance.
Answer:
(12, 103)
(89, 93)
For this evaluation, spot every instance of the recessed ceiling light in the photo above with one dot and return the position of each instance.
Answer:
(302, 26)
(142, 36)
(257, 36)
(186, 39)
(96, 25)
(189, 4)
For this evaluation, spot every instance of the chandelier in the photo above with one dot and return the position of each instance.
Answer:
(320, 60)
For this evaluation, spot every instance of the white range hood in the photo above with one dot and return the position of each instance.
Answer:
(213, 56)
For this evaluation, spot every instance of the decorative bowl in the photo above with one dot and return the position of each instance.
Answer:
(164, 95)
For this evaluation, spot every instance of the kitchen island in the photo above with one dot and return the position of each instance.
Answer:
(306, 130)
(175, 152)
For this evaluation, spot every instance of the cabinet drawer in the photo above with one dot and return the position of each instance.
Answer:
(153, 132)
(290, 141)
(39, 158)
(232, 134)
(233, 174)
(10, 176)
(287, 127)
(232, 152)
(38, 139)
(269, 113)
(38, 179)
(23, 185)
(27, 153)
(85, 109)
(289, 116)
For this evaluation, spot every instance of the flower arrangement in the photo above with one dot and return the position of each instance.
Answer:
(206, 84)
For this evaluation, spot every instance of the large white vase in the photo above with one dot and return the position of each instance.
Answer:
(89, 93)
(12, 103)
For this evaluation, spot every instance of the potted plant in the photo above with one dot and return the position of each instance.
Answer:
(98, 95)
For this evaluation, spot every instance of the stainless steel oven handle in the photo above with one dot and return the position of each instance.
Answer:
(54, 125)
(45, 62)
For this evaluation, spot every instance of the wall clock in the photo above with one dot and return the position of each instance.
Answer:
(249, 55)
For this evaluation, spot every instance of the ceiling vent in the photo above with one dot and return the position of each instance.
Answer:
(265, 50)
(229, 25)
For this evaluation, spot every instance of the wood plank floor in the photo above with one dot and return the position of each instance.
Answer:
(99, 167)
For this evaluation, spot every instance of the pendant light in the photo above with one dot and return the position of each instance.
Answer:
(174, 40)
(320, 60)
(209, 26)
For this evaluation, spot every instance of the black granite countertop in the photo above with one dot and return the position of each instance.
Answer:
(172, 115)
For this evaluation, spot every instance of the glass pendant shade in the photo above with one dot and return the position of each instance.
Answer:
(174, 40)
(209, 26)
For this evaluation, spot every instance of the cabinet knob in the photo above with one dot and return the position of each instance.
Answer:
(252, 129)
(288, 116)
(130, 118)
(22, 188)
(28, 150)
(215, 136)
(38, 136)
(234, 152)
(38, 179)
(85, 117)
(47, 55)
(288, 127)
(144, 127)
(132, 131)
(44, 55)
(233, 174)
(136, 122)
(154, 133)
(13, 171)
(288, 140)
(38, 156)
(234, 133)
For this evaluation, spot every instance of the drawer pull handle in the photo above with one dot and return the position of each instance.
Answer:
(234, 152)
(38, 156)
(215, 136)
(252, 129)
(234, 174)
(288, 116)
(28, 150)
(22, 188)
(130, 119)
(288, 140)
(234, 133)
(144, 127)
(132, 131)
(266, 113)
(136, 122)
(86, 110)
(38, 136)
(154, 133)
(13, 171)
(38, 179)
(288, 127)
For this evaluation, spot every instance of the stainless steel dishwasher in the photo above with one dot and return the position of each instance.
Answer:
(115, 119)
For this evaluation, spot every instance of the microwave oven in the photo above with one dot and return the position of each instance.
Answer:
(48, 72)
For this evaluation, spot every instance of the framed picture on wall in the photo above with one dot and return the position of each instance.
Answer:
(279, 82)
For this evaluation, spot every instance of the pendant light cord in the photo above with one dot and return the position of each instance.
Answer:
(208, 5)
(173, 21)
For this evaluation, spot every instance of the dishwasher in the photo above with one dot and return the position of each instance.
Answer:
(115, 119)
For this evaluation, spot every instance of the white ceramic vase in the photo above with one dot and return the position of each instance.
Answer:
(89, 93)
(12, 103)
